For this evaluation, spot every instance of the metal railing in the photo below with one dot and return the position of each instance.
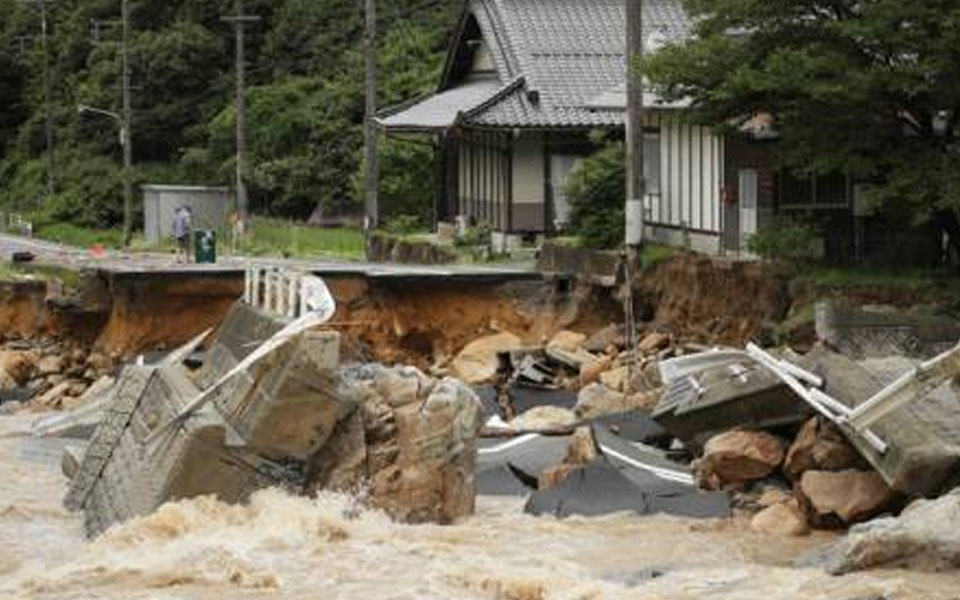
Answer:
(284, 293)
(13, 222)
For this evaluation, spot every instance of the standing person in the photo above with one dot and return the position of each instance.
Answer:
(181, 231)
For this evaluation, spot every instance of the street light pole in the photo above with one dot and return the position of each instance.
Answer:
(126, 137)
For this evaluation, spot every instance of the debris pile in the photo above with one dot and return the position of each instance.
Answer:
(273, 406)
(48, 375)
(796, 442)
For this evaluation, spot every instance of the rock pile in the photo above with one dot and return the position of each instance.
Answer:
(49, 375)
(830, 485)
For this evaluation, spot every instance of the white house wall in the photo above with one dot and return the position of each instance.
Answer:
(691, 177)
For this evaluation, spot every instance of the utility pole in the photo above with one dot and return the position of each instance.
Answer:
(126, 118)
(636, 183)
(239, 20)
(47, 93)
(371, 165)
(47, 112)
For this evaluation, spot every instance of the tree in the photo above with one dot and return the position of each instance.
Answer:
(869, 88)
(595, 190)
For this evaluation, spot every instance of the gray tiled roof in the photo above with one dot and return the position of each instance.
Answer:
(570, 52)
(441, 110)
(560, 63)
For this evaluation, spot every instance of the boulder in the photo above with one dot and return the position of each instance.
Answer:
(478, 361)
(926, 537)
(850, 496)
(570, 341)
(18, 364)
(611, 336)
(820, 447)
(653, 342)
(544, 418)
(772, 496)
(590, 371)
(616, 379)
(7, 382)
(597, 400)
(782, 519)
(736, 457)
(415, 460)
(50, 365)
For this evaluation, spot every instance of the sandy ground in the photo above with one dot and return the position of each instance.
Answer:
(283, 547)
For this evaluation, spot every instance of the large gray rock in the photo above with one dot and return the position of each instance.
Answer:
(412, 450)
(925, 537)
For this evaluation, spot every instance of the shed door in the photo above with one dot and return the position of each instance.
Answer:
(748, 205)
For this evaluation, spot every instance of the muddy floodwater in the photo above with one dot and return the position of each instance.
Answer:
(285, 547)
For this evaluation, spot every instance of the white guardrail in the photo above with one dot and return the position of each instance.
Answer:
(284, 293)
(15, 223)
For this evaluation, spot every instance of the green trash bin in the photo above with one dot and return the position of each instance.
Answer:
(205, 246)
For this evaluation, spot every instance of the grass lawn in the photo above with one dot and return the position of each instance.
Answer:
(276, 237)
(82, 237)
(266, 237)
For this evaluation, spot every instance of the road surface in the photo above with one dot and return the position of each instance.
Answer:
(131, 263)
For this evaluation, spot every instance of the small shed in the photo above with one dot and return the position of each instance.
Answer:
(211, 207)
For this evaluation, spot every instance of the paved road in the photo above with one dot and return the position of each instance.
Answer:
(131, 263)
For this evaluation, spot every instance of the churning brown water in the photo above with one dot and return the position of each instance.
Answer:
(284, 547)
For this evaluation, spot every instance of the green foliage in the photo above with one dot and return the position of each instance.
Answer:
(868, 88)
(474, 236)
(305, 78)
(786, 244)
(595, 190)
(404, 225)
(75, 235)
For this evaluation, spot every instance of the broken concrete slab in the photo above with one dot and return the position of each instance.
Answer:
(864, 332)
(718, 391)
(925, 537)
(922, 439)
(122, 477)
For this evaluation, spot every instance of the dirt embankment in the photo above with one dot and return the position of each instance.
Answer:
(427, 323)
(710, 300)
(162, 311)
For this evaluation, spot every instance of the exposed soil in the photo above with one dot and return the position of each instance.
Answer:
(155, 312)
(424, 324)
(711, 300)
